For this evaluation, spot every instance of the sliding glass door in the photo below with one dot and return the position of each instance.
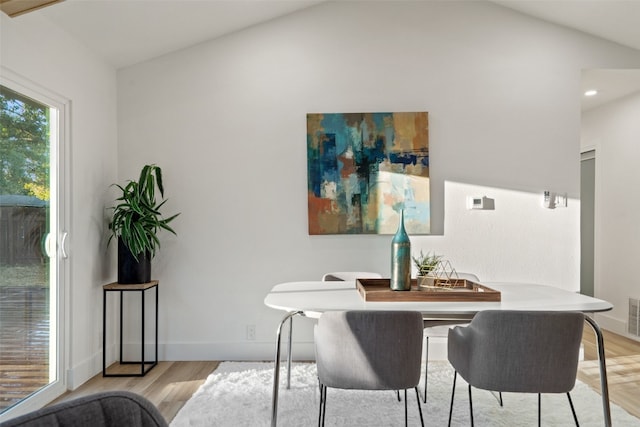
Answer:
(31, 247)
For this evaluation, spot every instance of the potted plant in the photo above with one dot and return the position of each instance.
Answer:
(425, 264)
(136, 222)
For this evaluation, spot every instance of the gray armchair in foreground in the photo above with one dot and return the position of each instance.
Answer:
(369, 350)
(517, 351)
(109, 409)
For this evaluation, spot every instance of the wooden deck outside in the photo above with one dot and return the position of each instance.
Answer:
(24, 342)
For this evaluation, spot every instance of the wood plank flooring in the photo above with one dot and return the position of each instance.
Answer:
(623, 368)
(168, 385)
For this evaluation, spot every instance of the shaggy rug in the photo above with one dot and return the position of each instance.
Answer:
(239, 394)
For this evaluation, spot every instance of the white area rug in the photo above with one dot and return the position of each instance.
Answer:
(239, 394)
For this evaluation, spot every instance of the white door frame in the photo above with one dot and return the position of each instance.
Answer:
(60, 204)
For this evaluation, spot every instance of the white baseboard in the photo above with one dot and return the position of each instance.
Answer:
(84, 371)
(610, 323)
(437, 348)
(236, 351)
(257, 350)
(613, 324)
(254, 350)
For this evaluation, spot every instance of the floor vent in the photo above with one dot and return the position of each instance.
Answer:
(634, 317)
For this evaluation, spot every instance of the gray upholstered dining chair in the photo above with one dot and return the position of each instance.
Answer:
(368, 350)
(342, 276)
(517, 351)
(432, 328)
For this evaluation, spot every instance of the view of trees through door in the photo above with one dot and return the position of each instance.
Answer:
(28, 275)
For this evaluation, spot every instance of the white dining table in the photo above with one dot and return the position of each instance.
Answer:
(312, 298)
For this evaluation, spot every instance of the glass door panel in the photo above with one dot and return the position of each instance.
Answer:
(28, 225)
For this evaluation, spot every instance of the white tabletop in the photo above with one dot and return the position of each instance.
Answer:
(314, 298)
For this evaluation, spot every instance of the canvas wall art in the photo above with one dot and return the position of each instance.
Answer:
(363, 168)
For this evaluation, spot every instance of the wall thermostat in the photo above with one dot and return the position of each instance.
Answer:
(480, 203)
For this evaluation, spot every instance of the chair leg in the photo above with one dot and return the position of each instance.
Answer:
(398, 393)
(470, 406)
(419, 407)
(573, 411)
(453, 392)
(498, 397)
(324, 403)
(426, 367)
(539, 410)
(320, 406)
(406, 414)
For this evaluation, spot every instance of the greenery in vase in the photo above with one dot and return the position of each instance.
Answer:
(137, 218)
(426, 263)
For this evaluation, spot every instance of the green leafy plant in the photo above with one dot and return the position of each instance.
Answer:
(137, 218)
(426, 263)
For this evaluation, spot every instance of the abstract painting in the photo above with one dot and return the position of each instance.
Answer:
(364, 168)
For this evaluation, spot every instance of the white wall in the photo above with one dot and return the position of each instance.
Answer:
(34, 49)
(614, 130)
(226, 121)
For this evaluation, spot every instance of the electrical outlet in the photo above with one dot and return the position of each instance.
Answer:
(251, 332)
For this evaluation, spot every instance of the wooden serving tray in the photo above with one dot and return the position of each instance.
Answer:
(378, 290)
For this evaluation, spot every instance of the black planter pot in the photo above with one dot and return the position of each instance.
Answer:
(131, 271)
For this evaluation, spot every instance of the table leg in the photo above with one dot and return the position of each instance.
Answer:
(289, 353)
(604, 387)
(276, 368)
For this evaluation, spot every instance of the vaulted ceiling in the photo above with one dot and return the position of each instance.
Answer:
(125, 32)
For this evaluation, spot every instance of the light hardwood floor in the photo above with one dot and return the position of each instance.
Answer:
(623, 368)
(170, 384)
